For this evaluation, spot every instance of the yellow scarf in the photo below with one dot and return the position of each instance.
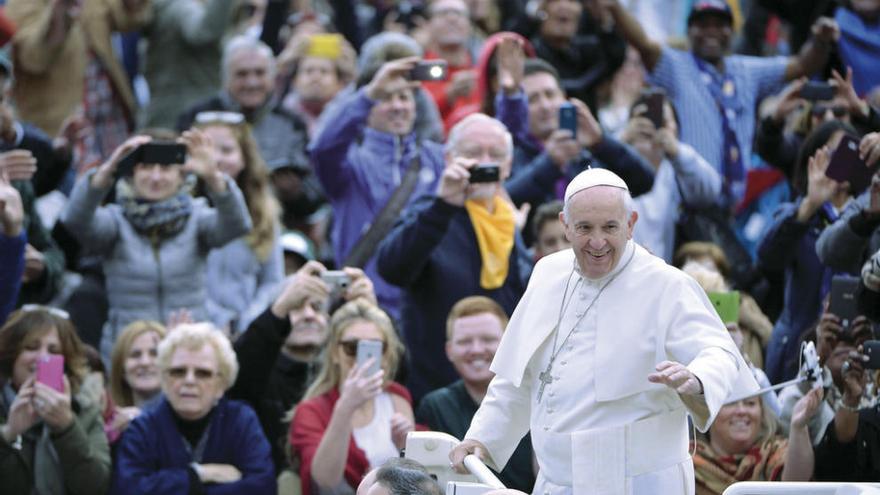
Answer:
(495, 239)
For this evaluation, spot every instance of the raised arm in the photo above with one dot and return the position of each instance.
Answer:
(799, 458)
(631, 31)
(43, 28)
(814, 54)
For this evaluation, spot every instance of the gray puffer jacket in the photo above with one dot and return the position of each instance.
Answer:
(147, 283)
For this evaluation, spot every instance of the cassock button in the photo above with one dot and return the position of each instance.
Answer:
(551, 393)
(547, 428)
(549, 410)
(563, 363)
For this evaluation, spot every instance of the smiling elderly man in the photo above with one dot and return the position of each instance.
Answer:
(606, 354)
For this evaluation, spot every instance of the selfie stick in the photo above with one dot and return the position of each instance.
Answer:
(810, 371)
(478, 469)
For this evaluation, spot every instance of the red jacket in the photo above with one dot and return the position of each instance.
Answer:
(308, 426)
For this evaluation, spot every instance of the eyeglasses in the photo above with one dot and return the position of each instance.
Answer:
(180, 372)
(350, 347)
(231, 118)
(56, 312)
(837, 110)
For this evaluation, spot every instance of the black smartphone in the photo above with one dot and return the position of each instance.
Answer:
(161, 152)
(429, 70)
(817, 91)
(485, 172)
(871, 348)
(843, 302)
(568, 118)
(845, 165)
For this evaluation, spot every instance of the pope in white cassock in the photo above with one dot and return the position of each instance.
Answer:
(608, 352)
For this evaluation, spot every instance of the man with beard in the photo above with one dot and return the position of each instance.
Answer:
(278, 352)
(706, 78)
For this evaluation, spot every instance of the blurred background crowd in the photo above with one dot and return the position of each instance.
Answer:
(210, 306)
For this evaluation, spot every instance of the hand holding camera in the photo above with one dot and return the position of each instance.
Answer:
(106, 173)
(304, 284)
(459, 175)
(391, 71)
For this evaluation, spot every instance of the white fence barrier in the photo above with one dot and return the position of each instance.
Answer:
(809, 488)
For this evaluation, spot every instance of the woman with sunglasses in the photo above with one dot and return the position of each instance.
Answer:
(50, 442)
(193, 437)
(155, 239)
(351, 420)
(242, 275)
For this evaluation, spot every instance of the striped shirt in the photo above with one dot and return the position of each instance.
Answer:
(754, 78)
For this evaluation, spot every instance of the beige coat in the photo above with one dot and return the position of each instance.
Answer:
(50, 79)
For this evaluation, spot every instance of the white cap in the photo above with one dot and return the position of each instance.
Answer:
(593, 177)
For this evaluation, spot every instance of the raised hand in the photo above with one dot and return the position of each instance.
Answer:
(200, 159)
(21, 414)
(304, 284)
(18, 164)
(360, 287)
(806, 408)
(377, 89)
(360, 387)
(53, 406)
(106, 173)
(510, 59)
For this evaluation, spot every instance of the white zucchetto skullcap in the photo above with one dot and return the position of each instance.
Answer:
(593, 177)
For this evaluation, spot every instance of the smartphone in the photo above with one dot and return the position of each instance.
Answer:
(161, 152)
(817, 91)
(845, 165)
(726, 304)
(871, 348)
(336, 279)
(568, 118)
(370, 349)
(843, 302)
(429, 70)
(50, 371)
(485, 172)
(655, 101)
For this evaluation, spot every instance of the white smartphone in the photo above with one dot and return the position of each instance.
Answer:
(370, 349)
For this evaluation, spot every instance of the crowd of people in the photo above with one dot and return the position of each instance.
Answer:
(209, 208)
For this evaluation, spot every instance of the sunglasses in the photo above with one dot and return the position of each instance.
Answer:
(231, 118)
(837, 110)
(58, 313)
(350, 347)
(180, 372)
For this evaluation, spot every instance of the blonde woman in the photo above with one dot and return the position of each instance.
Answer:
(350, 421)
(134, 372)
(243, 274)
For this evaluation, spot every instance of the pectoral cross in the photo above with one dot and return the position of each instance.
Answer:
(545, 379)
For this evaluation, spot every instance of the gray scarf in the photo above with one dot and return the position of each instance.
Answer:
(48, 477)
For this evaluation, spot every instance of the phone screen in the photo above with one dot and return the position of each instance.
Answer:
(370, 349)
(50, 371)
(846, 166)
(568, 118)
(843, 302)
(727, 305)
(871, 348)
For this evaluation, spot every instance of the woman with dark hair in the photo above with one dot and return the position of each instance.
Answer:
(789, 246)
(50, 443)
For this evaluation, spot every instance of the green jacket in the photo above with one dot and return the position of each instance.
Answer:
(83, 454)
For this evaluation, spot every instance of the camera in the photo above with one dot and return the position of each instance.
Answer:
(154, 152)
(817, 91)
(336, 279)
(485, 172)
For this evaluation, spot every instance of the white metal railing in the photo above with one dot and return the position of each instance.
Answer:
(801, 488)
(431, 449)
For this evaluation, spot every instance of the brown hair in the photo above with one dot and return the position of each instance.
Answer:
(25, 325)
(474, 305)
(254, 184)
(120, 391)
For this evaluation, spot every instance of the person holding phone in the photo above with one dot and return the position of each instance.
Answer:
(682, 176)
(351, 420)
(155, 239)
(788, 247)
(855, 236)
(50, 442)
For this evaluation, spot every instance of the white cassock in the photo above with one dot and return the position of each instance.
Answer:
(601, 427)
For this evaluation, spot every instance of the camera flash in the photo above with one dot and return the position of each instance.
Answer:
(436, 72)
